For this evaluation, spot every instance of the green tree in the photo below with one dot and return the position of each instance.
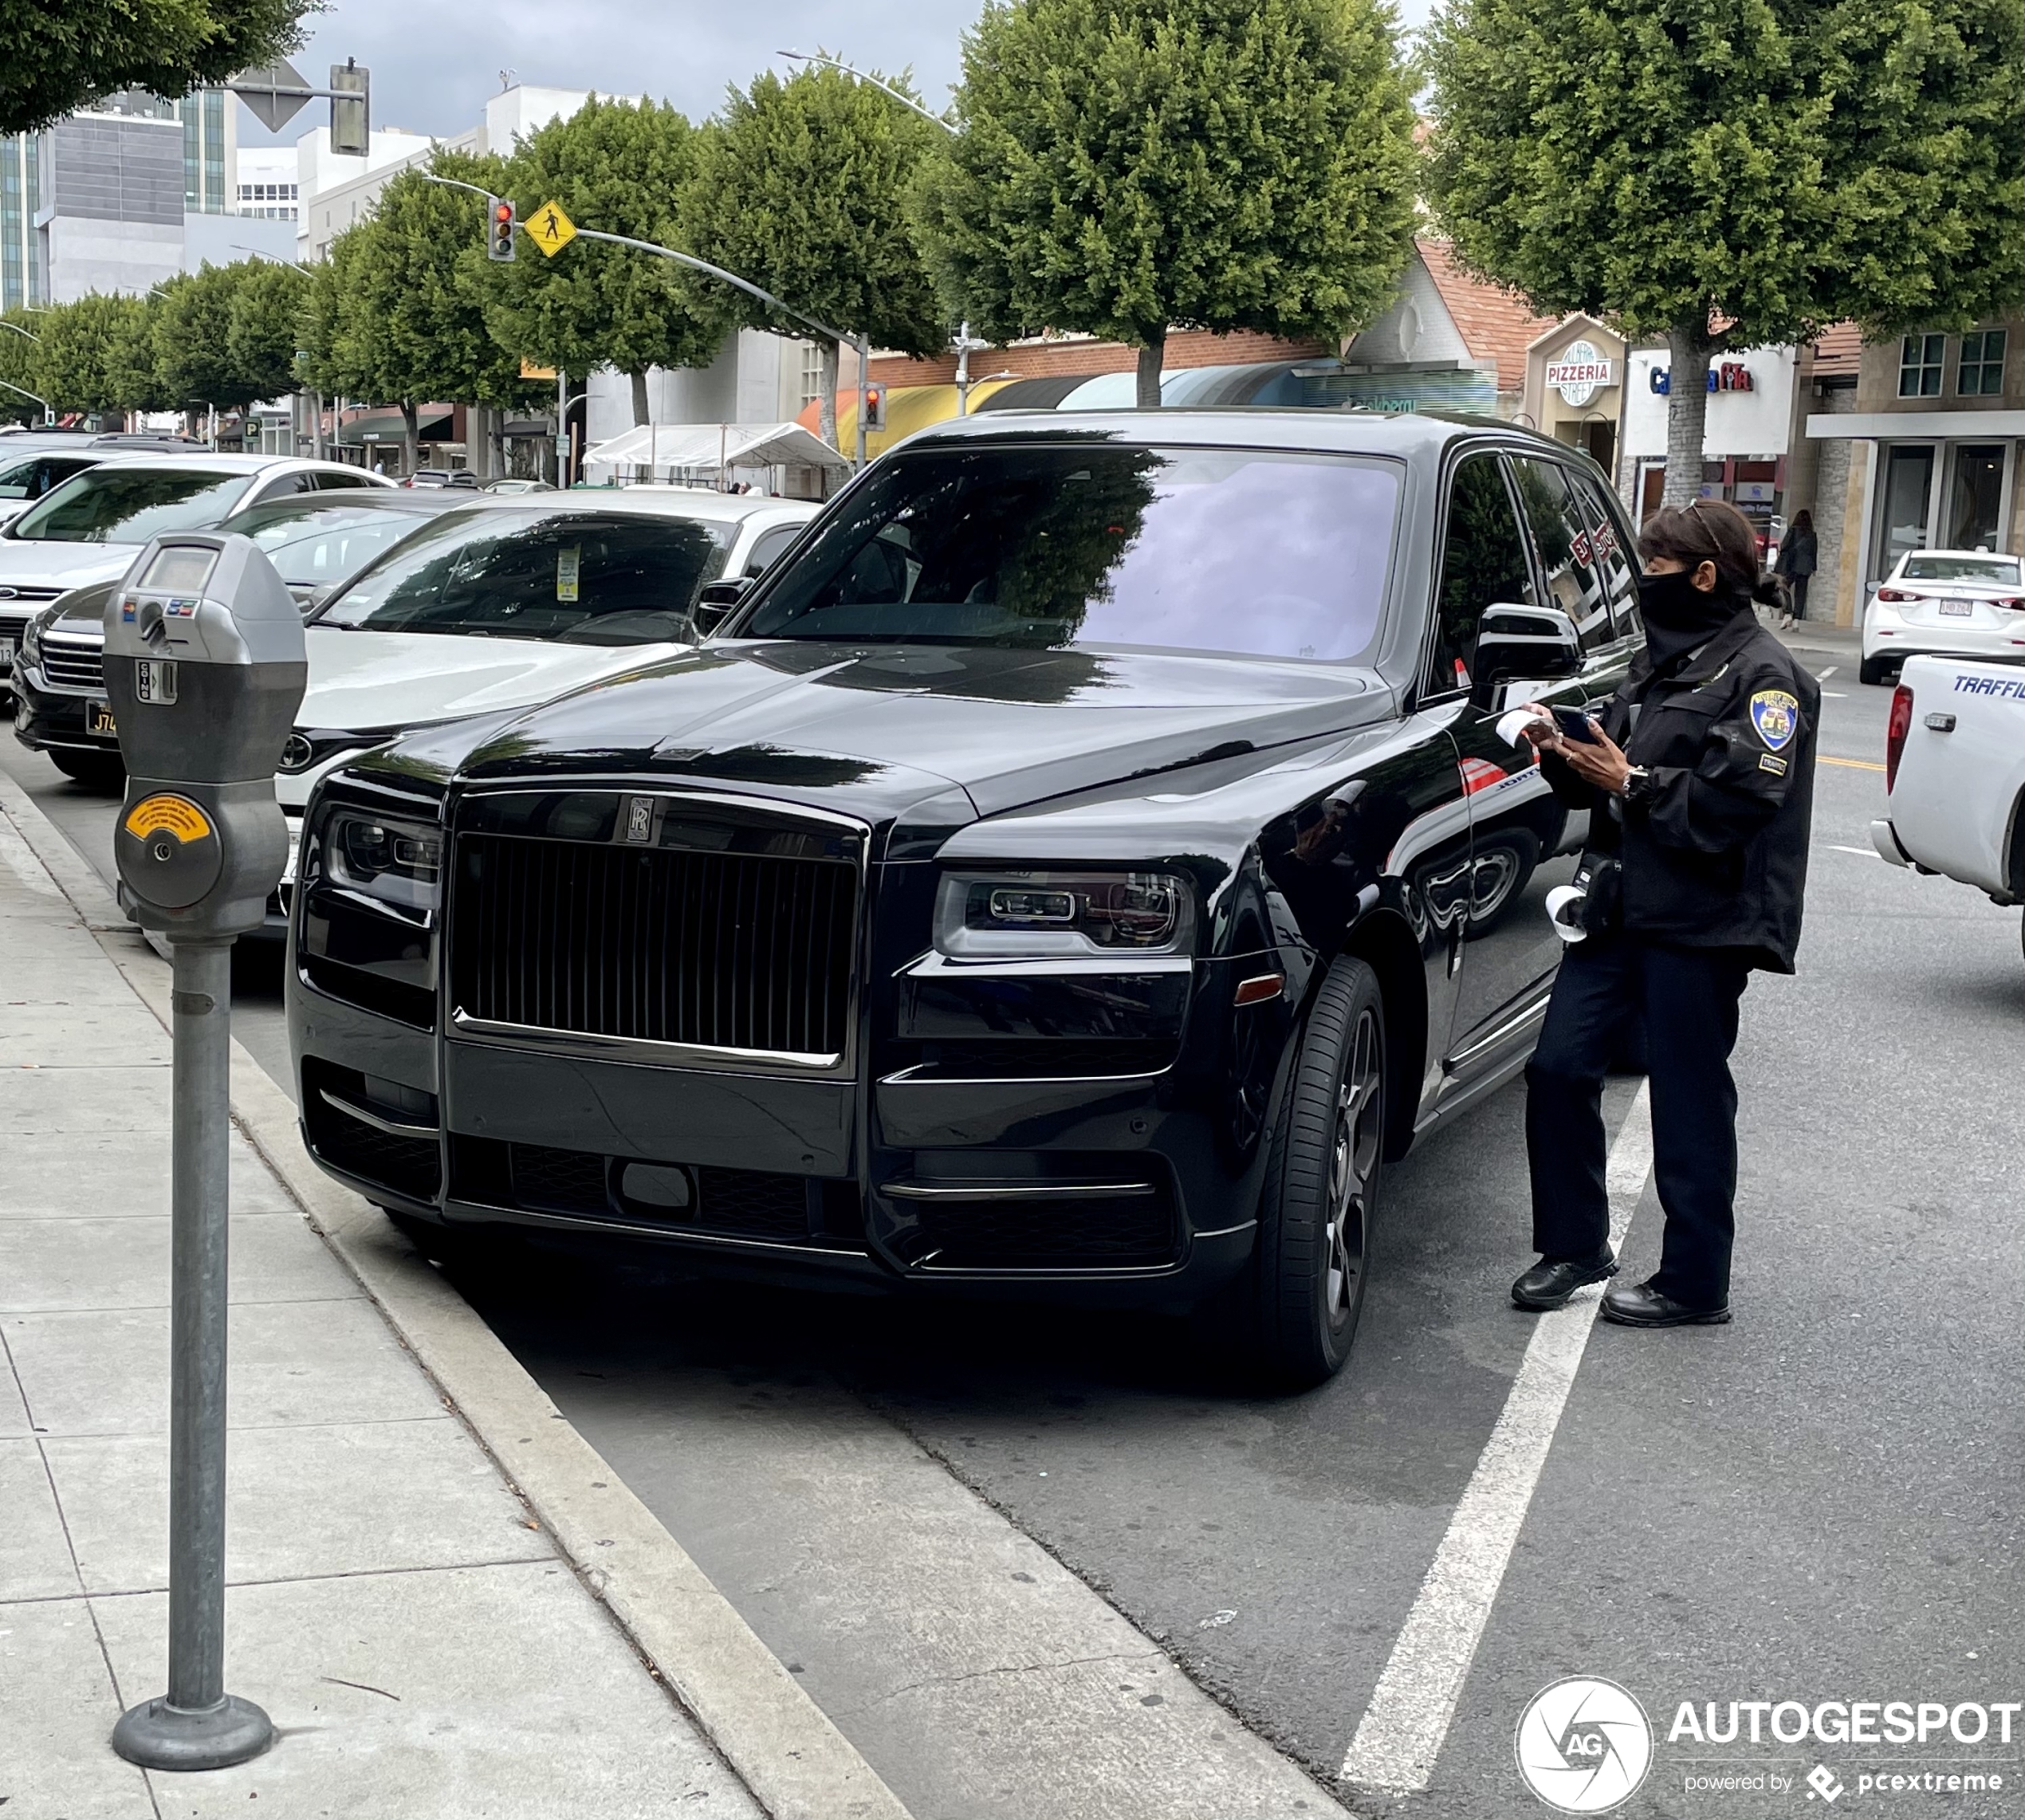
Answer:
(801, 188)
(410, 323)
(619, 167)
(324, 348)
(191, 336)
(134, 378)
(77, 357)
(1730, 173)
(63, 53)
(266, 326)
(1123, 167)
(20, 367)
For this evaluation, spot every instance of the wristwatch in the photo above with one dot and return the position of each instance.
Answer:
(1638, 784)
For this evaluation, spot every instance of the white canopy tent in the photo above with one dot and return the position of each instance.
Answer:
(708, 451)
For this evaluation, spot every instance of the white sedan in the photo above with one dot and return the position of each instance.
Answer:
(1946, 603)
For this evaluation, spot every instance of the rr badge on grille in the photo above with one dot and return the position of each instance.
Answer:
(639, 819)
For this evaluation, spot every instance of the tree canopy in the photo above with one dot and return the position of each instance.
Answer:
(1126, 165)
(1730, 173)
(802, 188)
(64, 53)
(619, 167)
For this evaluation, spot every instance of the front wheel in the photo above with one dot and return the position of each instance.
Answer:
(1312, 1261)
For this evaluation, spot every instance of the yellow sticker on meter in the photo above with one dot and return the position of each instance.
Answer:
(569, 565)
(168, 815)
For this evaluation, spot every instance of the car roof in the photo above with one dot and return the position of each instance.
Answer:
(698, 501)
(420, 502)
(1966, 555)
(208, 461)
(1414, 433)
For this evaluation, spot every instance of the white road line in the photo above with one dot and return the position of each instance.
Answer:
(1860, 852)
(1835, 695)
(1403, 1728)
(1827, 672)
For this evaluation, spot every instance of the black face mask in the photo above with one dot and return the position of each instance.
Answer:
(1679, 616)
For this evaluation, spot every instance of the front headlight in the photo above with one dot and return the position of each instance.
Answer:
(400, 862)
(31, 642)
(1040, 915)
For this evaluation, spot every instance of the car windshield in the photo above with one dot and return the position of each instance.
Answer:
(1231, 550)
(2003, 570)
(313, 545)
(538, 572)
(123, 504)
(34, 478)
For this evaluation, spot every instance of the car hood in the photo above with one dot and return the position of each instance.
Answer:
(367, 680)
(811, 719)
(62, 565)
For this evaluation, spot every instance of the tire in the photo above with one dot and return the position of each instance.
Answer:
(96, 770)
(1312, 1263)
(1877, 671)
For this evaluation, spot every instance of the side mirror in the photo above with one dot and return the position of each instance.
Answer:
(714, 600)
(1538, 643)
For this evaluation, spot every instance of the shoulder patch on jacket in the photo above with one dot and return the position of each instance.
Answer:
(1776, 715)
(1775, 766)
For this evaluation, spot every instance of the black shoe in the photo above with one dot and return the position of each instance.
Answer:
(1640, 1305)
(1550, 1282)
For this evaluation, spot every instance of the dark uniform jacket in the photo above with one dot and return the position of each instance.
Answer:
(1714, 849)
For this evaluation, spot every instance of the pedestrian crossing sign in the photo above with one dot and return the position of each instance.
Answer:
(550, 229)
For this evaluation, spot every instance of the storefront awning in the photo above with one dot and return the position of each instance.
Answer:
(695, 448)
(434, 423)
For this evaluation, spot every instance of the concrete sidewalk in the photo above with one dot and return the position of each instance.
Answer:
(424, 1646)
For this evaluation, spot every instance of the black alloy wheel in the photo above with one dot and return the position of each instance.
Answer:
(1312, 1261)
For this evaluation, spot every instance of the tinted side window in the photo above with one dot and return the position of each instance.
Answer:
(285, 488)
(1483, 564)
(1563, 537)
(1620, 570)
(768, 546)
(327, 482)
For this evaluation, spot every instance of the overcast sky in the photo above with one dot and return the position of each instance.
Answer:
(434, 61)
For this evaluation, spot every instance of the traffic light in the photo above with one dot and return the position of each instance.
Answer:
(875, 407)
(499, 229)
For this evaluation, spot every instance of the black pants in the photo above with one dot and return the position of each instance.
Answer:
(1689, 998)
(1797, 585)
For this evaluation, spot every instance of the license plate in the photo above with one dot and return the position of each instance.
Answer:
(98, 719)
(1956, 609)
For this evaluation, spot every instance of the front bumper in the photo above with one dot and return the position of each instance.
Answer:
(45, 716)
(1097, 1182)
(1889, 634)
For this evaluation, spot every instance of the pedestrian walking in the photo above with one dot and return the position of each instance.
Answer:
(1797, 558)
(1698, 780)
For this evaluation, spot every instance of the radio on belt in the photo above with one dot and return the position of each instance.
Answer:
(205, 664)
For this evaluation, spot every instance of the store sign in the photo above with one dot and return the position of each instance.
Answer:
(1580, 371)
(1730, 376)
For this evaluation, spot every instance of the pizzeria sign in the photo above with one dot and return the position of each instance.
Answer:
(1579, 372)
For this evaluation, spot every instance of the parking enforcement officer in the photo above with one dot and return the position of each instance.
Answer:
(1699, 782)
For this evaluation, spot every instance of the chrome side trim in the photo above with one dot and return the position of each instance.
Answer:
(1020, 1191)
(911, 1076)
(640, 1051)
(392, 1127)
(1528, 1014)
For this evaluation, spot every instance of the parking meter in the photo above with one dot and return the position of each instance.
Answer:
(205, 662)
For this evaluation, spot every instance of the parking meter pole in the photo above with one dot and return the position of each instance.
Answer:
(198, 1725)
(205, 663)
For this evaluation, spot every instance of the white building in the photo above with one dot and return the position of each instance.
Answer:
(1746, 439)
(267, 182)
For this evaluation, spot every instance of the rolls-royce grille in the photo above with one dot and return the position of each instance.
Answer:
(67, 665)
(709, 950)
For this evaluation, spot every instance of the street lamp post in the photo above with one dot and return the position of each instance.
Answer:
(48, 410)
(745, 284)
(964, 343)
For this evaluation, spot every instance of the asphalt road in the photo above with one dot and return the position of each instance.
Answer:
(1819, 1502)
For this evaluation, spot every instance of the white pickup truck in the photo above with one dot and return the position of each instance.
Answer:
(1954, 772)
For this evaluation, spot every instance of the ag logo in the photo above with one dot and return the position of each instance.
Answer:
(1583, 1746)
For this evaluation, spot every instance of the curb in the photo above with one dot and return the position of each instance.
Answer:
(795, 1761)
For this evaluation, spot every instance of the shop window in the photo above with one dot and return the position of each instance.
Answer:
(1981, 373)
(1908, 481)
(1920, 358)
(1973, 500)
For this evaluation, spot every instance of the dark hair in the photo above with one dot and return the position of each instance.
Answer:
(1708, 531)
(1804, 521)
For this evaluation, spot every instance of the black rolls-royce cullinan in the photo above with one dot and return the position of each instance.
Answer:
(1074, 869)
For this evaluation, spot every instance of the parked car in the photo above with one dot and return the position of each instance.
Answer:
(1955, 775)
(88, 528)
(1947, 603)
(27, 472)
(1077, 868)
(441, 477)
(316, 540)
(514, 483)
